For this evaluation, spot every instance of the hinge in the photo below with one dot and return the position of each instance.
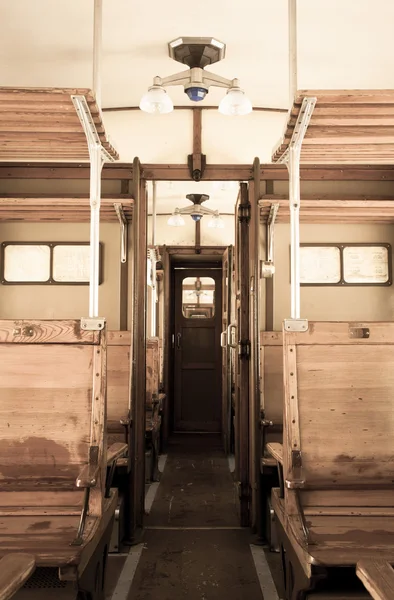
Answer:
(244, 213)
(244, 349)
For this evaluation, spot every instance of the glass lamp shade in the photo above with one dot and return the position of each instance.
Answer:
(216, 222)
(235, 103)
(176, 220)
(156, 101)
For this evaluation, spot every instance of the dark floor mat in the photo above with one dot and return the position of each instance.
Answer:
(196, 489)
(197, 565)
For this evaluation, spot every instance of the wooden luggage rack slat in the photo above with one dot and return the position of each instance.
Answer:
(347, 126)
(39, 124)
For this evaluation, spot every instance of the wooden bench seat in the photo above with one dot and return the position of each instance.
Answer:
(15, 570)
(271, 402)
(52, 446)
(338, 462)
(377, 577)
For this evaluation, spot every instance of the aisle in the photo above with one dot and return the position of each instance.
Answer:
(193, 547)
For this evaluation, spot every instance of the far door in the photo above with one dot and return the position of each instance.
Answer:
(197, 361)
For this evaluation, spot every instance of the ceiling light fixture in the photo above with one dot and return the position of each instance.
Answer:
(196, 211)
(196, 53)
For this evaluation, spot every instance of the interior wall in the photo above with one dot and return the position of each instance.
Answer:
(62, 301)
(331, 303)
(185, 236)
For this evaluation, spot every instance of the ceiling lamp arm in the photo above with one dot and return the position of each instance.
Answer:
(181, 78)
(218, 81)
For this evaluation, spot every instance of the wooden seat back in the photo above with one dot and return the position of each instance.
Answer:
(52, 407)
(339, 404)
(271, 358)
(118, 378)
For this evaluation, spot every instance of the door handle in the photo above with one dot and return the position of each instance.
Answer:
(178, 340)
(231, 329)
(223, 339)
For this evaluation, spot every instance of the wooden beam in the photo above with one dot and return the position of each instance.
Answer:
(197, 160)
(138, 352)
(124, 273)
(269, 281)
(198, 238)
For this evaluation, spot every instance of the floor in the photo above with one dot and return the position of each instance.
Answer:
(193, 546)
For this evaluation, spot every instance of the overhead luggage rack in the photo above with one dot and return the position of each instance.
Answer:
(323, 208)
(42, 124)
(347, 126)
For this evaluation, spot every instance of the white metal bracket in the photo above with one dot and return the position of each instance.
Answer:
(88, 324)
(267, 267)
(303, 120)
(89, 126)
(296, 325)
(123, 231)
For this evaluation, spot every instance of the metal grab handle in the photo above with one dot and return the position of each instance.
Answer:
(232, 327)
(178, 340)
(223, 339)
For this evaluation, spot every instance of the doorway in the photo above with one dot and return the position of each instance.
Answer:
(197, 352)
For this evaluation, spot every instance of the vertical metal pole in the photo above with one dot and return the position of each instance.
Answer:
(293, 75)
(97, 49)
(96, 164)
(294, 193)
(153, 213)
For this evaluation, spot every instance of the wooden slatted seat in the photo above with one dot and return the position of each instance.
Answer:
(271, 358)
(15, 569)
(338, 461)
(53, 446)
(378, 578)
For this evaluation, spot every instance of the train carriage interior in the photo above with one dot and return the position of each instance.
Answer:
(196, 305)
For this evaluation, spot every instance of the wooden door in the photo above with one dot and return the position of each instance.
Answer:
(197, 362)
(227, 337)
(243, 354)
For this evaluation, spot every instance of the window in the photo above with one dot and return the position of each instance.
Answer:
(198, 297)
(56, 263)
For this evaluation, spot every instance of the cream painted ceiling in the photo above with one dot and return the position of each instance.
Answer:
(341, 44)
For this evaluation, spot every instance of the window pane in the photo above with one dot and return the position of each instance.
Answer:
(198, 297)
(27, 263)
(71, 263)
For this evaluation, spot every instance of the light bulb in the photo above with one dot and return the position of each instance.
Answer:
(216, 222)
(156, 100)
(235, 103)
(176, 219)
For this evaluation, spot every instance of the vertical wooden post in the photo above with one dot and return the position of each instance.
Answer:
(269, 281)
(198, 237)
(138, 354)
(242, 405)
(254, 377)
(166, 345)
(124, 274)
(197, 160)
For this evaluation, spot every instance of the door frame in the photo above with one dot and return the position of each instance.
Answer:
(184, 256)
(215, 271)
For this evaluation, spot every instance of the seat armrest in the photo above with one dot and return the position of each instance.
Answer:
(275, 449)
(115, 451)
(377, 577)
(15, 570)
(295, 478)
(88, 476)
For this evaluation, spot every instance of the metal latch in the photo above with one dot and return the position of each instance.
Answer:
(244, 349)
(92, 324)
(296, 324)
(358, 332)
(244, 213)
